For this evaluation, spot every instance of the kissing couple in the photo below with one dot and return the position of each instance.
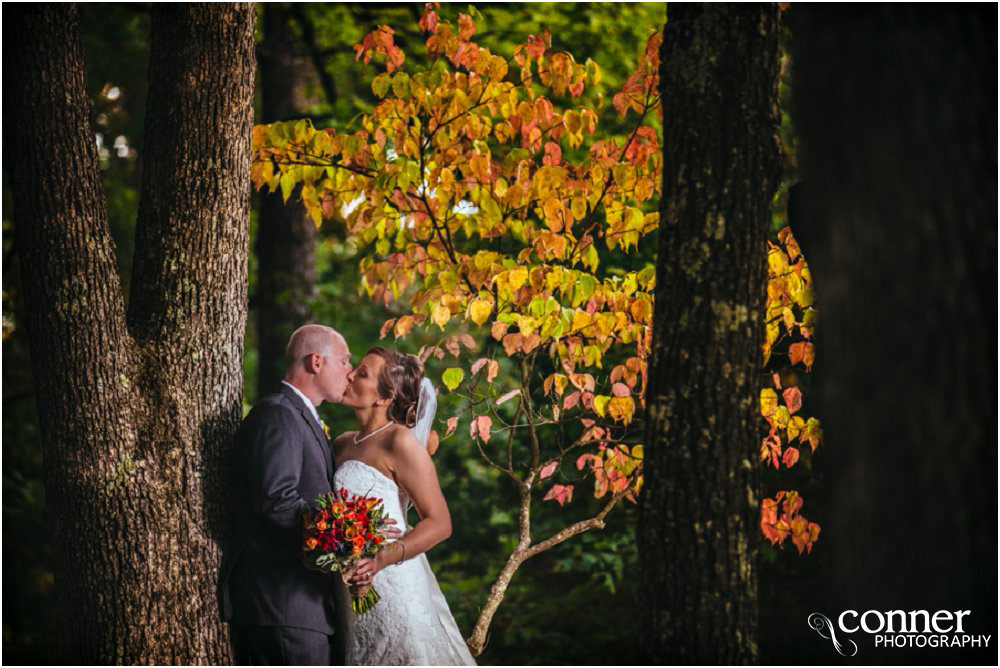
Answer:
(279, 611)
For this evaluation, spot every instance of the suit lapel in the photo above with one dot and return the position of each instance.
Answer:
(317, 431)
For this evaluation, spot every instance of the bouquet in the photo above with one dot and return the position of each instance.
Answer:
(342, 531)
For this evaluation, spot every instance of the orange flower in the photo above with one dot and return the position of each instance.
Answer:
(322, 526)
(356, 550)
(350, 532)
(311, 544)
(337, 508)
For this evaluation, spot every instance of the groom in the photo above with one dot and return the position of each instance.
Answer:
(280, 612)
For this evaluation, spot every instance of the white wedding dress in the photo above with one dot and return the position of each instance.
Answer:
(411, 623)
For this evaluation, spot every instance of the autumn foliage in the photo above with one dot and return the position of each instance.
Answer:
(789, 323)
(483, 187)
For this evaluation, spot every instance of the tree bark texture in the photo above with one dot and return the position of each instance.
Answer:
(286, 236)
(722, 159)
(136, 410)
(896, 112)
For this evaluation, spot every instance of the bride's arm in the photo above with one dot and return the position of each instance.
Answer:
(415, 473)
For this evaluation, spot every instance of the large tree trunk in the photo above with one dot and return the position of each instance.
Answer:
(285, 244)
(898, 134)
(135, 418)
(721, 157)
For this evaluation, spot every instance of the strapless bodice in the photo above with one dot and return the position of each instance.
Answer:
(359, 478)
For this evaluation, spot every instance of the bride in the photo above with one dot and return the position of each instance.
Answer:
(387, 458)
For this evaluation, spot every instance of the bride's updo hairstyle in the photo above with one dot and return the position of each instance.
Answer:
(399, 380)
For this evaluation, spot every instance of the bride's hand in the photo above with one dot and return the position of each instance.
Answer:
(365, 570)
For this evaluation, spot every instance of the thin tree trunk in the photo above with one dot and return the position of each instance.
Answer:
(698, 534)
(286, 236)
(135, 421)
(898, 158)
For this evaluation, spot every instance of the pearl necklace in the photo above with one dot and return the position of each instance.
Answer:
(358, 441)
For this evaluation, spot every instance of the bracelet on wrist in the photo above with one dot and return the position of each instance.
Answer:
(402, 548)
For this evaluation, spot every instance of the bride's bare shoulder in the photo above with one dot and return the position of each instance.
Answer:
(342, 440)
(400, 437)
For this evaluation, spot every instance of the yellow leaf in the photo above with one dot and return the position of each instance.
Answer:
(516, 278)
(768, 402)
(441, 315)
(479, 310)
(795, 426)
(620, 409)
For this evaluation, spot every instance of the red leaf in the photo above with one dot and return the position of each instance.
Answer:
(571, 400)
(620, 390)
(790, 457)
(452, 423)
(508, 396)
(560, 493)
(548, 470)
(553, 154)
(793, 399)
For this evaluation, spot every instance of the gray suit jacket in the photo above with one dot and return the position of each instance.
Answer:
(281, 463)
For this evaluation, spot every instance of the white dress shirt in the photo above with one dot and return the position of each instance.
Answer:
(312, 409)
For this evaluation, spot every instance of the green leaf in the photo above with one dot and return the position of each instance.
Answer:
(585, 286)
(287, 183)
(452, 377)
(401, 85)
(380, 84)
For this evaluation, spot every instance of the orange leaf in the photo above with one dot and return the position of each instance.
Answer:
(386, 326)
(480, 428)
(492, 368)
(498, 329)
(512, 343)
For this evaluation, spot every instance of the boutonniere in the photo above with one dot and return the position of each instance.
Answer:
(326, 429)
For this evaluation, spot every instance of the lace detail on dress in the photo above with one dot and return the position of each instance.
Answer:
(411, 624)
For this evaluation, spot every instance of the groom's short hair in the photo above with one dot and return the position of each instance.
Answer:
(309, 340)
